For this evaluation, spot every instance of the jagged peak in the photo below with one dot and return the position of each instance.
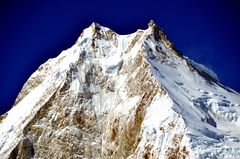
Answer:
(95, 26)
(137, 96)
(98, 31)
(155, 30)
(151, 23)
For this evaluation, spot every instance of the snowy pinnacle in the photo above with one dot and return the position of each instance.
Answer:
(122, 96)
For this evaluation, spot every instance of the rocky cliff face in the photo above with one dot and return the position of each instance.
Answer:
(122, 96)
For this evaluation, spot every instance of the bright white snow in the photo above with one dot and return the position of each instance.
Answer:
(206, 113)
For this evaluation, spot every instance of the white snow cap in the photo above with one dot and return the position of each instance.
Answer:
(196, 110)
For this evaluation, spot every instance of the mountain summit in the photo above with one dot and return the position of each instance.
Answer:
(122, 96)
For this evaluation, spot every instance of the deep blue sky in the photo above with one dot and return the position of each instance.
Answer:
(31, 32)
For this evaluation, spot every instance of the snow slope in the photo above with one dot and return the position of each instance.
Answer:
(123, 96)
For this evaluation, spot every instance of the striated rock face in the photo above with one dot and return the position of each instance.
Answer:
(122, 96)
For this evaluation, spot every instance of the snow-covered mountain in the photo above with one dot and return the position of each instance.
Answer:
(122, 96)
